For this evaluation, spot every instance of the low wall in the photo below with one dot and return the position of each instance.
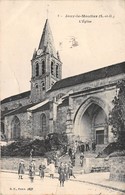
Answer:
(117, 168)
(97, 164)
(12, 163)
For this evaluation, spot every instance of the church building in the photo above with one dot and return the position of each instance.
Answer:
(77, 106)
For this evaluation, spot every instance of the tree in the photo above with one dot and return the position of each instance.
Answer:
(117, 114)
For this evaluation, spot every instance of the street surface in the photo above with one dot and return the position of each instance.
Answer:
(10, 184)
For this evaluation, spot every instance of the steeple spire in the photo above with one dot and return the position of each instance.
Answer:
(47, 42)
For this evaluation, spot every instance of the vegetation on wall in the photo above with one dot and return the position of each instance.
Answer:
(117, 114)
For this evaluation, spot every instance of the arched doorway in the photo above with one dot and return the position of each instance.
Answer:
(15, 128)
(91, 122)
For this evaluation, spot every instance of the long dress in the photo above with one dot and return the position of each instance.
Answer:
(21, 168)
(51, 169)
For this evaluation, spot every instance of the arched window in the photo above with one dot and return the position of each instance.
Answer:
(43, 85)
(43, 67)
(15, 128)
(57, 71)
(52, 68)
(36, 86)
(43, 123)
(37, 69)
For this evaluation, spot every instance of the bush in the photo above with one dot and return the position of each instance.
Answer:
(111, 148)
(117, 154)
(23, 147)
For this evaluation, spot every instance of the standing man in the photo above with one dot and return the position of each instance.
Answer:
(71, 170)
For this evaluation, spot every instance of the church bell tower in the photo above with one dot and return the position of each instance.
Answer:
(46, 66)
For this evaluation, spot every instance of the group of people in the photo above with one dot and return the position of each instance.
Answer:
(21, 169)
(65, 170)
(81, 147)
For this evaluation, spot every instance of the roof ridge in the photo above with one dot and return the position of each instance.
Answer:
(80, 77)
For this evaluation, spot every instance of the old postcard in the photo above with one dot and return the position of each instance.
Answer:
(62, 97)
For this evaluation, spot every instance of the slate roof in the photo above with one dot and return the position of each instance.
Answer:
(23, 109)
(16, 97)
(47, 41)
(90, 76)
(19, 110)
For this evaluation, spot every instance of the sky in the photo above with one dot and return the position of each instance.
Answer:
(89, 34)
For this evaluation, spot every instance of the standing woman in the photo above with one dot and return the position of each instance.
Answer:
(61, 171)
(21, 169)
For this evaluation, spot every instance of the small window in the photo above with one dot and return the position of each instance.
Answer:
(57, 71)
(37, 70)
(43, 85)
(43, 67)
(52, 83)
(52, 68)
(36, 86)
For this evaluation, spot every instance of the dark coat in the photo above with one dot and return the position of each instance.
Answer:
(21, 168)
(41, 170)
(61, 171)
(31, 170)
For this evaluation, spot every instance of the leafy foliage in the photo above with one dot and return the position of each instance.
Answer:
(117, 115)
(23, 147)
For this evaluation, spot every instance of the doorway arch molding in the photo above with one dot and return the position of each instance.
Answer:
(84, 106)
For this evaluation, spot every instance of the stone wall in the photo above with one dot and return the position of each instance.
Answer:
(12, 163)
(60, 124)
(117, 168)
(95, 164)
